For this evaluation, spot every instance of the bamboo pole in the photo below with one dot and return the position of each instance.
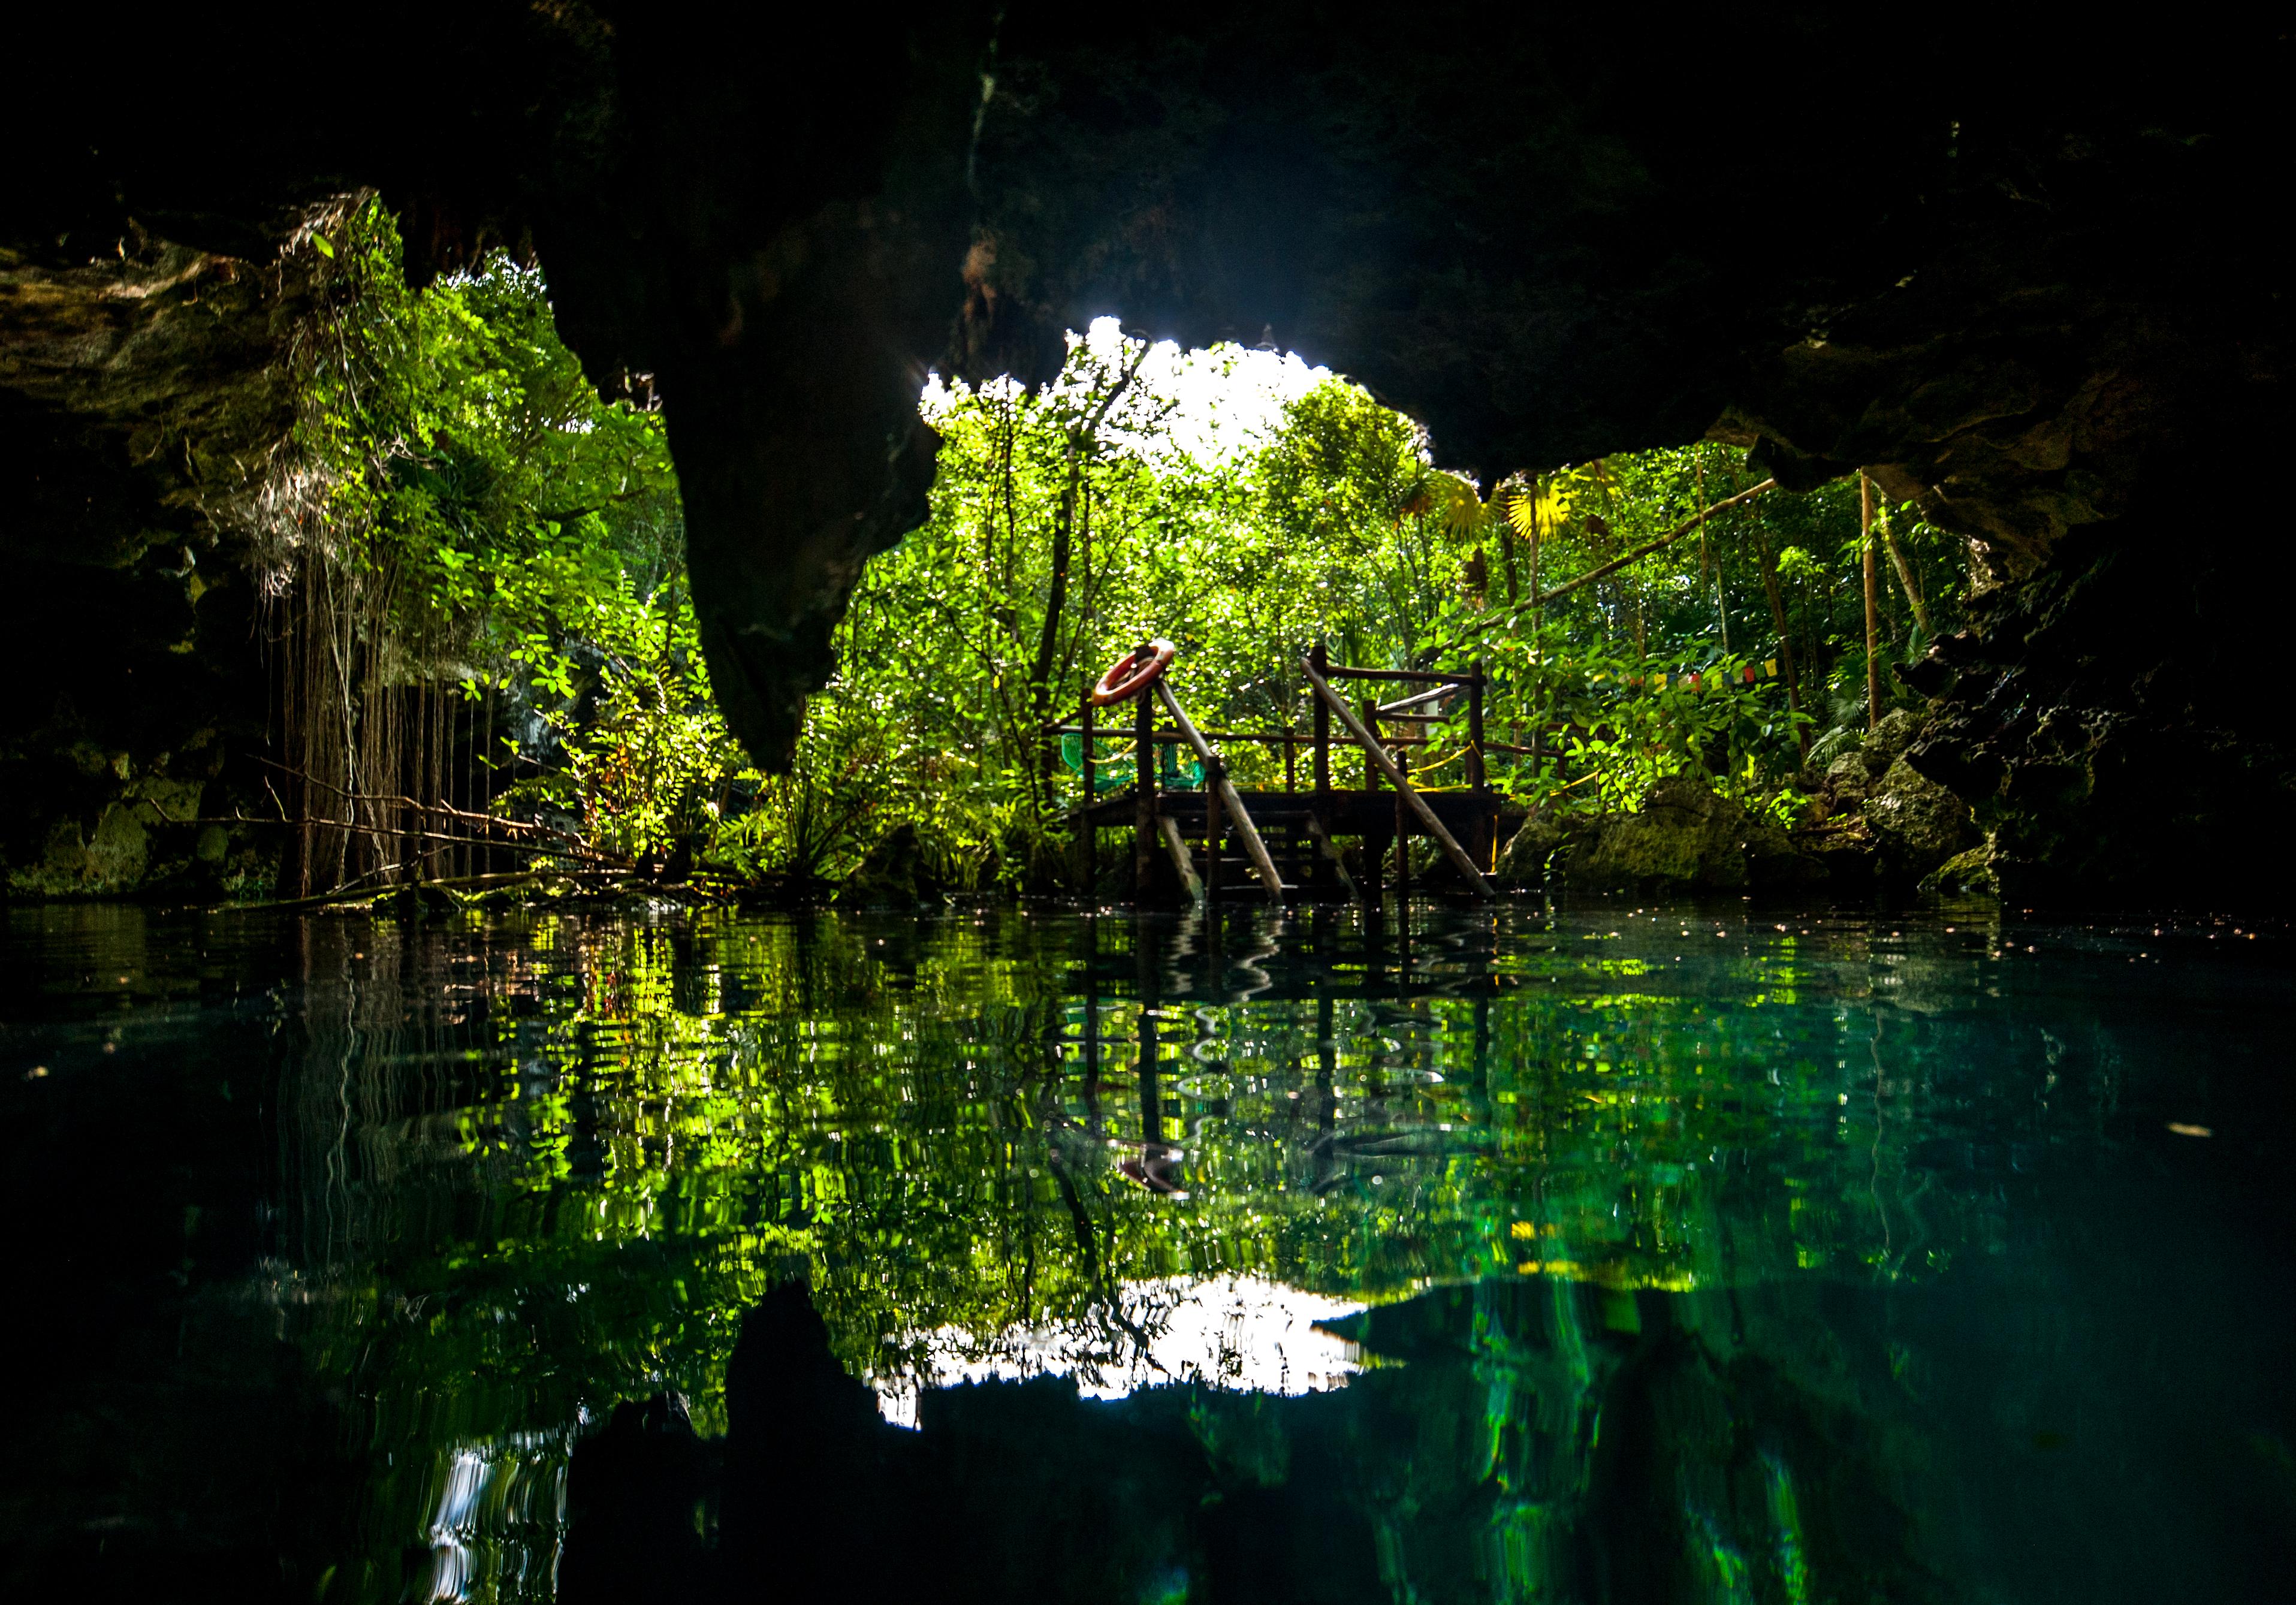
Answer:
(1378, 754)
(1486, 835)
(1216, 773)
(1872, 603)
(1493, 621)
(1536, 540)
(1906, 577)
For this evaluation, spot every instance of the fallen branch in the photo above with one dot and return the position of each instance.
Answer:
(353, 893)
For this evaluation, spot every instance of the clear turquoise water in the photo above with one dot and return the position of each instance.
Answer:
(1709, 1254)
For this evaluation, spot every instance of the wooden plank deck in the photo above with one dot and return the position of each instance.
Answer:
(1366, 819)
(1217, 840)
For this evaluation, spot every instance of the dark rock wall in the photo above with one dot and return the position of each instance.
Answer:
(145, 391)
(2022, 266)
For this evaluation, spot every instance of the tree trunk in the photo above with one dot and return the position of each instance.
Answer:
(1872, 603)
(1081, 440)
(1906, 578)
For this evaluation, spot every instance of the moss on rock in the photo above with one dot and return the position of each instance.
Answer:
(1967, 874)
(1686, 838)
(1917, 824)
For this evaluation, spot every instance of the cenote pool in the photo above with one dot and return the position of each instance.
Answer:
(1623, 1255)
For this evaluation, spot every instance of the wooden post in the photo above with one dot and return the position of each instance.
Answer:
(1323, 739)
(1083, 717)
(1475, 730)
(1873, 603)
(1402, 838)
(1212, 828)
(1486, 835)
(1176, 845)
(1143, 797)
(1320, 766)
(1291, 760)
(1374, 848)
(1088, 832)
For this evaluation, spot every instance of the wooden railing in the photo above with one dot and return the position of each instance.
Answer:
(1436, 698)
(1317, 742)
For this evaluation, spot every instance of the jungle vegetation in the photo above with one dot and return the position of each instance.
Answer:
(483, 600)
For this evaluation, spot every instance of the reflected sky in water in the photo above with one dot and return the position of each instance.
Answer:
(343, 1232)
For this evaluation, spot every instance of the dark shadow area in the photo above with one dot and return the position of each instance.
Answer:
(1528, 1440)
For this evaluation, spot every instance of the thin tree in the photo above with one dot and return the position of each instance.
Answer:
(1872, 602)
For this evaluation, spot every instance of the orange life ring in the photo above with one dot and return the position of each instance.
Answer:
(1134, 673)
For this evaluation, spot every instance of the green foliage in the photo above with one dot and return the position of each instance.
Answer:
(527, 536)
(1069, 524)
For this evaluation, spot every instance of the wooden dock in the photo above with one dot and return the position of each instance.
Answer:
(1217, 842)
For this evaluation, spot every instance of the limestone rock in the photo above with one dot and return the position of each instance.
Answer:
(1522, 861)
(1917, 824)
(1686, 838)
(1968, 875)
(1847, 779)
(1832, 745)
(1774, 863)
(1887, 742)
(1845, 854)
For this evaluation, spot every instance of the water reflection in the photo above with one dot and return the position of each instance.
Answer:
(1651, 1254)
(1237, 1333)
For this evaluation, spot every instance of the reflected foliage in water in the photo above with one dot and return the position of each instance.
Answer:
(1641, 1255)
